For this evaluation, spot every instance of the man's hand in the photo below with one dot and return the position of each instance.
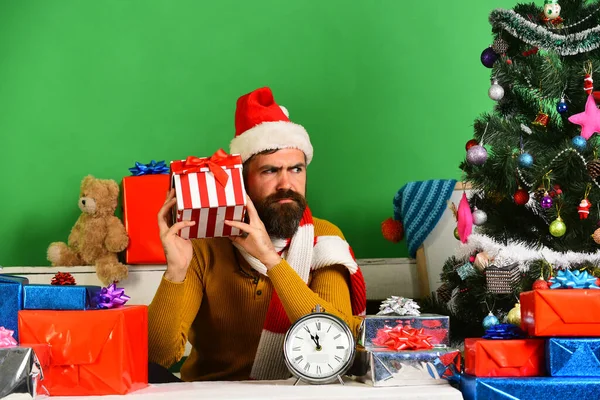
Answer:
(178, 251)
(256, 241)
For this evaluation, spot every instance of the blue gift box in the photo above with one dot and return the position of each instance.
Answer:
(573, 356)
(555, 388)
(11, 301)
(57, 297)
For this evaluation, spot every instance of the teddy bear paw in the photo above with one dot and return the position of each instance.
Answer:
(55, 252)
(109, 273)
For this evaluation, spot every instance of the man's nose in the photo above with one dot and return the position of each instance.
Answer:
(284, 181)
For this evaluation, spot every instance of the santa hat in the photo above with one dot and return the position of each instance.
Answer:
(261, 124)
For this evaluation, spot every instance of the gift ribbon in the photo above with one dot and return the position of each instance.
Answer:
(111, 297)
(214, 163)
(6, 337)
(567, 279)
(504, 332)
(154, 168)
(397, 305)
(402, 338)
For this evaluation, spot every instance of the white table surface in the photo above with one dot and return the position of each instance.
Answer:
(261, 390)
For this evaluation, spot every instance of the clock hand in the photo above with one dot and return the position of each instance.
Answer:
(316, 340)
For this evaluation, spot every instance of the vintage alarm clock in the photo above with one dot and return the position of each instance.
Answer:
(319, 348)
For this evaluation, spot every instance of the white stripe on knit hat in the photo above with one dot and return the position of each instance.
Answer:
(269, 363)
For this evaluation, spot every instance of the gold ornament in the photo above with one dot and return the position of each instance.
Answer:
(596, 236)
(514, 315)
(481, 260)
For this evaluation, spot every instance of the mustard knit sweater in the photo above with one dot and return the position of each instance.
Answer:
(221, 305)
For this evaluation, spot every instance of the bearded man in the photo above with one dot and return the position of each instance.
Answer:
(234, 298)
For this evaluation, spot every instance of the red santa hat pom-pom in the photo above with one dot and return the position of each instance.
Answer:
(392, 230)
(63, 278)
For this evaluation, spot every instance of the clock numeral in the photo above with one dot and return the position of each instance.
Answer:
(298, 337)
(297, 348)
(318, 324)
(307, 367)
(306, 329)
(299, 358)
(330, 366)
(337, 336)
(338, 358)
(318, 369)
(329, 328)
(340, 347)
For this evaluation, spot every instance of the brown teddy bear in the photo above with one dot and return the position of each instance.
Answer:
(98, 235)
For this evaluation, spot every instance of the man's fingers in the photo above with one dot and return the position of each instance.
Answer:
(163, 213)
(242, 226)
(179, 226)
(252, 213)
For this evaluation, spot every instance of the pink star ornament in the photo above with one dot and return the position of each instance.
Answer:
(589, 119)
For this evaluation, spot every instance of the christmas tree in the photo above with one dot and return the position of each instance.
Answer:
(533, 165)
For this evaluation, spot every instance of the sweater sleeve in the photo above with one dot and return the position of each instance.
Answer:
(328, 288)
(172, 312)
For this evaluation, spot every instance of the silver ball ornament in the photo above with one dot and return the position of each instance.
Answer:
(477, 155)
(496, 92)
(479, 217)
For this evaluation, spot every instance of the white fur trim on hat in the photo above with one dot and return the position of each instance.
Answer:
(272, 136)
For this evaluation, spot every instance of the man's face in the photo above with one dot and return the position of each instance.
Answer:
(276, 183)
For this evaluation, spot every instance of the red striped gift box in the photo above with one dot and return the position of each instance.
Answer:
(209, 191)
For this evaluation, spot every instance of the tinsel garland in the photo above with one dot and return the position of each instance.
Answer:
(539, 36)
(524, 255)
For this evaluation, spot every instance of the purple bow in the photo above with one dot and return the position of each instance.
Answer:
(111, 297)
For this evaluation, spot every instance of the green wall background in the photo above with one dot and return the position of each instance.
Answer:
(387, 89)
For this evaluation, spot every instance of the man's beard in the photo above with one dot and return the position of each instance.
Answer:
(281, 220)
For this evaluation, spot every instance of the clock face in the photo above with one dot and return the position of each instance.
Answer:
(319, 347)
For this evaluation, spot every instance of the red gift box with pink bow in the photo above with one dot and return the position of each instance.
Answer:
(209, 191)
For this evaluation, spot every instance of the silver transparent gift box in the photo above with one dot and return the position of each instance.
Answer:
(436, 366)
(434, 325)
(20, 372)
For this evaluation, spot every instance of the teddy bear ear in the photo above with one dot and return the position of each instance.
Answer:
(113, 187)
(87, 180)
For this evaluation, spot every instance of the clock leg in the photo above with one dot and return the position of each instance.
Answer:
(297, 380)
(340, 379)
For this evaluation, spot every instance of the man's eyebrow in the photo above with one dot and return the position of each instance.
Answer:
(269, 166)
(299, 165)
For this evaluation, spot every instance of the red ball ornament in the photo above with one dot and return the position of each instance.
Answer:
(392, 230)
(521, 197)
(540, 284)
(471, 143)
(509, 61)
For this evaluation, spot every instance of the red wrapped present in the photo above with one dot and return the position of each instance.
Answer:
(516, 357)
(209, 191)
(92, 352)
(561, 312)
(143, 196)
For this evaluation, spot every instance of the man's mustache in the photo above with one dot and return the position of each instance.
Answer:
(284, 195)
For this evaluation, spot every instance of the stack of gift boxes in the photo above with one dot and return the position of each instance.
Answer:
(557, 355)
(70, 340)
(401, 347)
(209, 190)
(83, 340)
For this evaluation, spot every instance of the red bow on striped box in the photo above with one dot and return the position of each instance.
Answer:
(209, 191)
